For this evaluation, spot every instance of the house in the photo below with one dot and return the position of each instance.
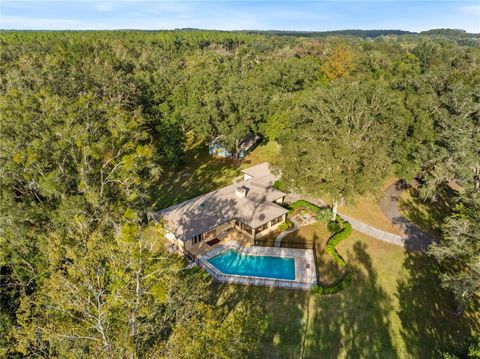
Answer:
(251, 206)
(217, 148)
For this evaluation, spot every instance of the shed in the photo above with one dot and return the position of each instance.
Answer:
(217, 148)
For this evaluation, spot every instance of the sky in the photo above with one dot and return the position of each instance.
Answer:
(240, 15)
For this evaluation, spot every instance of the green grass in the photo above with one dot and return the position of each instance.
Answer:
(426, 214)
(202, 173)
(393, 309)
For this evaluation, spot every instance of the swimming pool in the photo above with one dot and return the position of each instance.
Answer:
(232, 262)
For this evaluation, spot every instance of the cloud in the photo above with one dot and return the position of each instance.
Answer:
(24, 22)
(471, 9)
(103, 7)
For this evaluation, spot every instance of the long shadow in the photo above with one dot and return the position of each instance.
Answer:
(427, 312)
(355, 321)
(282, 311)
(423, 227)
(195, 177)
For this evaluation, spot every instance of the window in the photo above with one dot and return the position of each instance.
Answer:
(277, 220)
(197, 238)
(262, 228)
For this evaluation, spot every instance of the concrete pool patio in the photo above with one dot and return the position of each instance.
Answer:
(305, 269)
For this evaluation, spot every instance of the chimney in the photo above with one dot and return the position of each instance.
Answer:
(241, 191)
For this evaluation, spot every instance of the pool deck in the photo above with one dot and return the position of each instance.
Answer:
(305, 275)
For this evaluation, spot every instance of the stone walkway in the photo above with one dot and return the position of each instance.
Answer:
(413, 238)
(278, 240)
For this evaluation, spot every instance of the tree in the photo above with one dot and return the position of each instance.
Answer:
(459, 253)
(339, 63)
(338, 143)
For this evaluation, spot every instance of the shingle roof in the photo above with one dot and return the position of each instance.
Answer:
(208, 211)
(261, 171)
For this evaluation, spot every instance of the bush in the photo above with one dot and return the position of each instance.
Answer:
(324, 214)
(333, 226)
(335, 239)
(279, 185)
(343, 283)
(285, 225)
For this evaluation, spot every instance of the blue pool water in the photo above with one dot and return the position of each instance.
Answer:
(232, 262)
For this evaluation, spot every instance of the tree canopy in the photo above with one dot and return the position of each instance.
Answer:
(92, 121)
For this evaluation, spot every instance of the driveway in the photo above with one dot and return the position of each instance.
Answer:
(413, 238)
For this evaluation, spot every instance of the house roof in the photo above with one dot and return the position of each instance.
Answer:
(260, 171)
(203, 213)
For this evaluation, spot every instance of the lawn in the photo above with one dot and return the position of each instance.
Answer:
(327, 270)
(394, 309)
(202, 173)
(428, 215)
(367, 209)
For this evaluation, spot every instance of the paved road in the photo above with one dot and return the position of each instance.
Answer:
(413, 238)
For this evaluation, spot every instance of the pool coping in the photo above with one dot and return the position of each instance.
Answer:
(254, 255)
(305, 278)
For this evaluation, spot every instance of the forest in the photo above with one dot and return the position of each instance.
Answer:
(93, 122)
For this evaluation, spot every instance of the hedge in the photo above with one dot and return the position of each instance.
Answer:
(333, 241)
(343, 283)
(285, 225)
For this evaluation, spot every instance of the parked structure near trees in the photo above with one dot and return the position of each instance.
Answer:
(218, 148)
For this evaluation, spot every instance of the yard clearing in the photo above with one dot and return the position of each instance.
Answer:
(394, 308)
(202, 173)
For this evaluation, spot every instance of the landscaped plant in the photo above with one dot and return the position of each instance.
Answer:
(343, 283)
(322, 214)
(333, 226)
(344, 230)
(285, 225)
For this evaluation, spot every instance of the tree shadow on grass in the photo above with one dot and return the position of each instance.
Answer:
(428, 215)
(200, 174)
(427, 312)
(282, 310)
(353, 322)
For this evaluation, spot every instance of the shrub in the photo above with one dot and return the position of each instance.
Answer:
(285, 225)
(335, 239)
(341, 230)
(333, 226)
(324, 214)
(343, 283)
(279, 185)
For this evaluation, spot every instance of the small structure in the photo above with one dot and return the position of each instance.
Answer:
(218, 148)
(252, 207)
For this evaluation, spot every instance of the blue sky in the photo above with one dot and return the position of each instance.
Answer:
(240, 15)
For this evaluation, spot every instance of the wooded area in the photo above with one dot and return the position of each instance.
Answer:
(92, 121)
